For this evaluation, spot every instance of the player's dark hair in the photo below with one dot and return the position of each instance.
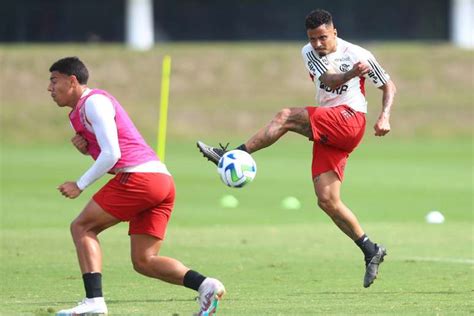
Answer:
(318, 17)
(71, 66)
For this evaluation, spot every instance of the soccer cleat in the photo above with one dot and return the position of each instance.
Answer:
(211, 292)
(372, 265)
(212, 153)
(88, 306)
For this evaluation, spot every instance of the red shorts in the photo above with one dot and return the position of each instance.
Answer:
(336, 133)
(146, 200)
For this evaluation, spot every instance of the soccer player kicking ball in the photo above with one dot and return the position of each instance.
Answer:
(141, 192)
(339, 70)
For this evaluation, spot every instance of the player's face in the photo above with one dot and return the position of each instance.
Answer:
(61, 87)
(323, 39)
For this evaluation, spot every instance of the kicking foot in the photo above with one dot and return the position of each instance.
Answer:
(88, 306)
(212, 153)
(372, 265)
(211, 292)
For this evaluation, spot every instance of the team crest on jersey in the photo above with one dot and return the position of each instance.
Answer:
(344, 67)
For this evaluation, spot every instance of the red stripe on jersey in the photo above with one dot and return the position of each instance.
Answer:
(362, 85)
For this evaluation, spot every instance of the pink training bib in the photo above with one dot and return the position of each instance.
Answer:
(134, 150)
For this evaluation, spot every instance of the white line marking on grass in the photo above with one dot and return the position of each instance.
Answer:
(446, 260)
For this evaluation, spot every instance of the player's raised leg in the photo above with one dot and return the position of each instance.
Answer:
(327, 188)
(84, 229)
(288, 119)
(147, 261)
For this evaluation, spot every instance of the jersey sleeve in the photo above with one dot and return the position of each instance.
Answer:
(378, 76)
(101, 115)
(315, 65)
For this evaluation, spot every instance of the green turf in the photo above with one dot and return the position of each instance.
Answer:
(272, 261)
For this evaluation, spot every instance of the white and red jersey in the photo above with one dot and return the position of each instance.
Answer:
(352, 92)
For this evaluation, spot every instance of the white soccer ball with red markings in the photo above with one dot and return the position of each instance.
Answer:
(237, 168)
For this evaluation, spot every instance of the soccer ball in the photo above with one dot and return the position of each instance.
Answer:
(237, 168)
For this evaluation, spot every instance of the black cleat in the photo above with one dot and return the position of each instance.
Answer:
(372, 266)
(212, 153)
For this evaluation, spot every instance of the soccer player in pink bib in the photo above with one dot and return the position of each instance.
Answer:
(141, 191)
(339, 71)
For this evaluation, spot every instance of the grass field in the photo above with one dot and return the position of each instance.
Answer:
(272, 261)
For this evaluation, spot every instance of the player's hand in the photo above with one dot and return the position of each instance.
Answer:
(360, 69)
(382, 126)
(80, 143)
(69, 189)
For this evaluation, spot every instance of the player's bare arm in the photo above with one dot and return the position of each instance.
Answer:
(69, 189)
(80, 143)
(382, 126)
(334, 80)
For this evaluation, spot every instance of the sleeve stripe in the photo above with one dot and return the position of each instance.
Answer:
(321, 71)
(311, 59)
(377, 70)
(382, 72)
(320, 63)
(318, 69)
(308, 54)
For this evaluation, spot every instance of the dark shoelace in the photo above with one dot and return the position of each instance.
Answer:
(224, 148)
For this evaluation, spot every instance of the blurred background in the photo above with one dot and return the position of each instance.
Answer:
(194, 20)
(239, 55)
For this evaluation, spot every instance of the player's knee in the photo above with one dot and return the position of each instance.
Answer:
(140, 264)
(327, 203)
(76, 228)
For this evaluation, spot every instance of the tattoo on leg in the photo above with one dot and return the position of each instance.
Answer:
(295, 120)
(299, 122)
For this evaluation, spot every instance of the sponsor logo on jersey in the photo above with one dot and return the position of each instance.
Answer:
(339, 90)
(343, 59)
(378, 73)
(373, 77)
